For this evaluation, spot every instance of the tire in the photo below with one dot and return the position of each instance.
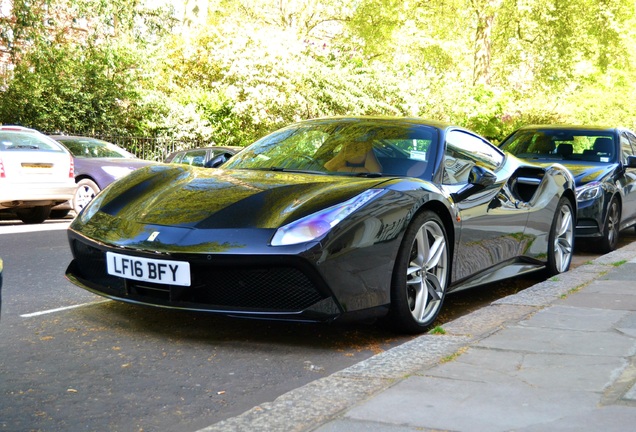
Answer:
(59, 214)
(611, 229)
(420, 276)
(85, 192)
(34, 215)
(561, 239)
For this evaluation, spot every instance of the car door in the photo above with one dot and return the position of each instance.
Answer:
(627, 182)
(492, 223)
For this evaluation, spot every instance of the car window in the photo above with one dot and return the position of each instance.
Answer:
(347, 146)
(463, 151)
(94, 148)
(562, 144)
(25, 141)
(195, 158)
(631, 149)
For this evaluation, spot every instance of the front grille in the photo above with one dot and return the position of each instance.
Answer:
(271, 288)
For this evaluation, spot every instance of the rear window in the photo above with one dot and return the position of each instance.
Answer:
(25, 141)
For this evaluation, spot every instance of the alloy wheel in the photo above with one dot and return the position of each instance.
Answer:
(563, 239)
(427, 272)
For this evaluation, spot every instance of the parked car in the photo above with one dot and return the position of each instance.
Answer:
(604, 167)
(209, 157)
(328, 219)
(36, 173)
(98, 163)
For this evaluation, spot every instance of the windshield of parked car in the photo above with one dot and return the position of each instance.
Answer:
(94, 148)
(345, 147)
(14, 140)
(562, 145)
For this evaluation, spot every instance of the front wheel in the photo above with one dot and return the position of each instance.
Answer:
(611, 229)
(420, 275)
(561, 240)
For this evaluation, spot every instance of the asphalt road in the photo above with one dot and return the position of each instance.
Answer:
(70, 360)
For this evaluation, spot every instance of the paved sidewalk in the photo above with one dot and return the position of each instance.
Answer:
(558, 356)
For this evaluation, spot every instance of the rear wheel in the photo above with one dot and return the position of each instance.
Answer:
(34, 215)
(85, 192)
(561, 240)
(421, 275)
(611, 229)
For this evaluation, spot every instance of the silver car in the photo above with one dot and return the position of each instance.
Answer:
(36, 173)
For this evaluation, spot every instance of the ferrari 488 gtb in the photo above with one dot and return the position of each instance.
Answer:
(325, 219)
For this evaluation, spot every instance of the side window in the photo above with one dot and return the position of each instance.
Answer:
(628, 144)
(463, 151)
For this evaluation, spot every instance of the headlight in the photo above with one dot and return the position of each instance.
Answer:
(117, 172)
(316, 225)
(588, 192)
(91, 208)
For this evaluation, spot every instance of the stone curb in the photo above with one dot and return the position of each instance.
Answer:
(320, 401)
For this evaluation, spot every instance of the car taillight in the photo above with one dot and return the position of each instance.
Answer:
(71, 170)
(2, 173)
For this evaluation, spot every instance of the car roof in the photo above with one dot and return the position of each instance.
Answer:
(598, 128)
(386, 119)
(17, 128)
(211, 148)
(75, 138)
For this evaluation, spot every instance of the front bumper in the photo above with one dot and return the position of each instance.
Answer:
(590, 219)
(272, 287)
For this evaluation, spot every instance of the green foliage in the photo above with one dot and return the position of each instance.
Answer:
(67, 87)
(234, 71)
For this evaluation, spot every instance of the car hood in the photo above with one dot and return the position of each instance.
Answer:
(202, 198)
(584, 173)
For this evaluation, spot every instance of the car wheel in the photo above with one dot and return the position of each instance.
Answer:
(421, 275)
(561, 239)
(85, 192)
(59, 214)
(34, 215)
(612, 226)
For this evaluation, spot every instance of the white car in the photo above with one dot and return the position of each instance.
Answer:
(36, 173)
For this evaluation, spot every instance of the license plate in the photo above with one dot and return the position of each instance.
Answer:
(149, 270)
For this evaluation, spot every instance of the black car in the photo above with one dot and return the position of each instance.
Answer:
(604, 167)
(328, 219)
(209, 157)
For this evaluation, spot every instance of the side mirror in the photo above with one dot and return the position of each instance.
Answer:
(478, 179)
(631, 162)
(218, 160)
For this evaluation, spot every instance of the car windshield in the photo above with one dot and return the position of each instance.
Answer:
(345, 146)
(94, 148)
(27, 141)
(563, 145)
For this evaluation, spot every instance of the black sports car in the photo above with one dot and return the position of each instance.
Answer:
(325, 219)
(604, 167)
